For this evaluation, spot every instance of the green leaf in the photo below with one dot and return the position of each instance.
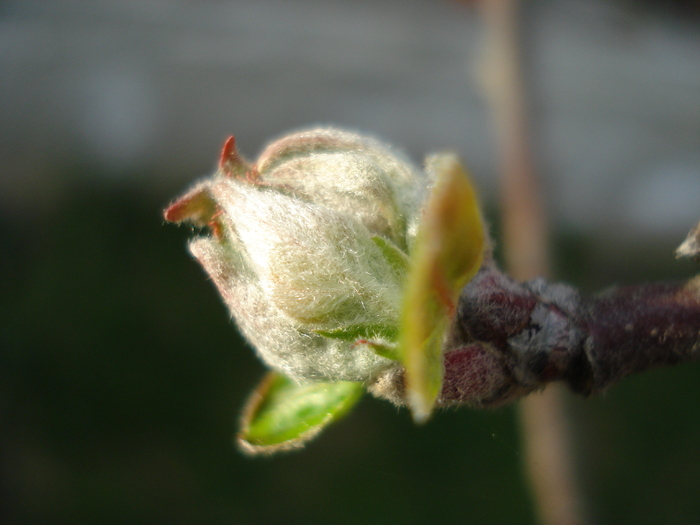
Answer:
(283, 415)
(447, 254)
(388, 350)
(380, 338)
(398, 260)
(363, 331)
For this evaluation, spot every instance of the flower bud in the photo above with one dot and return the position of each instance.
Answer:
(691, 245)
(351, 174)
(308, 249)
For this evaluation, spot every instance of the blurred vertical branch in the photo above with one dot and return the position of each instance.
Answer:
(545, 427)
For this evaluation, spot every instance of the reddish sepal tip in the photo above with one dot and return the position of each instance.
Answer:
(228, 153)
(177, 211)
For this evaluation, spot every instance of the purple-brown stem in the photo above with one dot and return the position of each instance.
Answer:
(512, 338)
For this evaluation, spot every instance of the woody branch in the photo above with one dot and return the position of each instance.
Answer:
(512, 338)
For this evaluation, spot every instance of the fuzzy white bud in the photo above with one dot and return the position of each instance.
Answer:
(304, 249)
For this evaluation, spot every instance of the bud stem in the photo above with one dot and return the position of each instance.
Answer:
(517, 337)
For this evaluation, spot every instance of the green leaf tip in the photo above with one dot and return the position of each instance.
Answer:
(447, 254)
(282, 415)
(393, 254)
(381, 339)
(364, 331)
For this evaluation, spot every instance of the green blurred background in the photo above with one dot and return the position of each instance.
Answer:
(121, 375)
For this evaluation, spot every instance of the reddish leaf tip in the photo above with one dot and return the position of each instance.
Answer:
(196, 207)
(228, 154)
(177, 211)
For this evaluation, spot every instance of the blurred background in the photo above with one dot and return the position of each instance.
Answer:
(121, 376)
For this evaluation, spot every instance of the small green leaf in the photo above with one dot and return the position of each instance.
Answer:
(364, 331)
(282, 415)
(398, 260)
(388, 350)
(380, 338)
(447, 254)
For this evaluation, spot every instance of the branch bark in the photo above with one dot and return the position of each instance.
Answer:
(518, 337)
(510, 339)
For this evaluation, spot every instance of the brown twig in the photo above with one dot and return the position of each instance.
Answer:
(510, 338)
